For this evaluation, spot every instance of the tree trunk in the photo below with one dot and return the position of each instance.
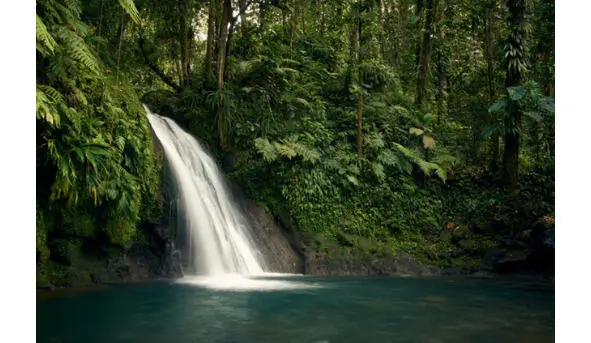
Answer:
(441, 64)
(425, 55)
(226, 17)
(513, 79)
(360, 116)
(100, 24)
(489, 51)
(207, 68)
(242, 8)
(183, 37)
(360, 71)
(121, 28)
(441, 81)
(418, 14)
(293, 22)
(381, 29)
(352, 52)
(152, 64)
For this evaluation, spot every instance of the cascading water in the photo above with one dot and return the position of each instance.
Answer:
(218, 234)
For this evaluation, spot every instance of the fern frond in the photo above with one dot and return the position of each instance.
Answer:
(47, 99)
(131, 10)
(426, 167)
(286, 150)
(378, 170)
(77, 48)
(307, 154)
(44, 37)
(267, 149)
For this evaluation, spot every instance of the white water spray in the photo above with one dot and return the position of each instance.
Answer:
(218, 234)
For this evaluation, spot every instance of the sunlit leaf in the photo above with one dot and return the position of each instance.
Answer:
(428, 142)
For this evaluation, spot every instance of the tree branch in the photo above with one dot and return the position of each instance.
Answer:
(241, 12)
(167, 79)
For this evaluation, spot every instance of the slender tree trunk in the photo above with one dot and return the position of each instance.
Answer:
(381, 29)
(441, 63)
(360, 116)
(242, 8)
(100, 23)
(360, 71)
(207, 68)
(513, 79)
(293, 28)
(401, 10)
(441, 81)
(489, 51)
(226, 17)
(339, 16)
(183, 40)
(418, 15)
(189, 51)
(121, 28)
(177, 63)
(425, 55)
(352, 51)
(304, 28)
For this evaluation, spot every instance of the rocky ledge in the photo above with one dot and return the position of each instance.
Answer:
(344, 263)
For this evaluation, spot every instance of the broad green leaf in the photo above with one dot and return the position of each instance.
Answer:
(516, 93)
(353, 180)
(497, 105)
(490, 130)
(547, 104)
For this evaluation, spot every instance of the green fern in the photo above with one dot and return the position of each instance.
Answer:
(265, 148)
(131, 10)
(45, 41)
(77, 49)
(47, 100)
(426, 167)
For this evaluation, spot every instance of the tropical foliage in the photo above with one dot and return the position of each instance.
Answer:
(97, 173)
(369, 122)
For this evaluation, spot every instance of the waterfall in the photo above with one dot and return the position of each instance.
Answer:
(218, 234)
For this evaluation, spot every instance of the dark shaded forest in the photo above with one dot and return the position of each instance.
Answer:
(374, 127)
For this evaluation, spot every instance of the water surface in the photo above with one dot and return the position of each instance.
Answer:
(304, 309)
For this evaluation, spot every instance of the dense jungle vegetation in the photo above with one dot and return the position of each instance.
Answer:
(375, 125)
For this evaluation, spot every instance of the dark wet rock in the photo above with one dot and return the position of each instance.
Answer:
(513, 243)
(48, 287)
(466, 244)
(454, 271)
(228, 162)
(341, 262)
(493, 256)
(483, 274)
(279, 244)
(512, 256)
